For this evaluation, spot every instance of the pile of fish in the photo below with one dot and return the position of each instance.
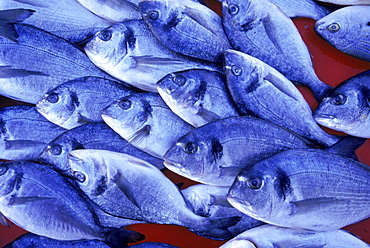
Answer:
(118, 91)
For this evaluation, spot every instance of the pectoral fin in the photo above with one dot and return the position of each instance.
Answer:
(122, 183)
(207, 115)
(284, 86)
(271, 33)
(22, 144)
(230, 171)
(15, 15)
(24, 200)
(83, 120)
(9, 72)
(139, 135)
(198, 17)
(143, 63)
(3, 220)
(314, 204)
(220, 201)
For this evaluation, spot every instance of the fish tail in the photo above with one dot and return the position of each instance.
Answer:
(217, 228)
(118, 238)
(320, 90)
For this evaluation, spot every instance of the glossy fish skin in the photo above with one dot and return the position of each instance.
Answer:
(346, 109)
(144, 120)
(66, 19)
(57, 209)
(253, 84)
(197, 96)
(269, 236)
(24, 133)
(130, 52)
(129, 187)
(80, 101)
(186, 27)
(90, 136)
(308, 189)
(260, 29)
(301, 8)
(39, 61)
(210, 201)
(348, 30)
(215, 153)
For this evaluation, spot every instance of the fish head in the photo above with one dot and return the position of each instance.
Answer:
(238, 243)
(159, 14)
(240, 15)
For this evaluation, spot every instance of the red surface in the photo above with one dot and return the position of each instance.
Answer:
(332, 67)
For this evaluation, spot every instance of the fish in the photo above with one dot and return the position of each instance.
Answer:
(29, 67)
(308, 189)
(89, 136)
(269, 236)
(41, 201)
(301, 8)
(197, 96)
(215, 153)
(81, 100)
(253, 83)
(210, 201)
(186, 27)
(113, 10)
(260, 29)
(66, 19)
(129, 52)
(129, 187)
(146, 122)
(24, 133)
(348, 30)
(346, 2)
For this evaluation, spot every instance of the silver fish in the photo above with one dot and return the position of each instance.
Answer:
(24, 133)
(186, 27)
(216, 152)
(308, 189)
(269, 236)
(346, 109)
(301, 8)
(259, 28)
(130, 52)
(347, 29)
(146, 122)
(132, 188)
(197, 96)
(41, 201)
(80, 101)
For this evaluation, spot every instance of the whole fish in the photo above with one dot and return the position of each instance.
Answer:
(216, 152)
(269, 236)
(259, 28)
(38, 61)
(66, 19)
(130, 52)
(210, 201)
(113, 10)
(24, 133)
(301, 8)
(129, 187)
(346, 109)
(308, 189)
(186, 27)
(90, 136)
(253, 84)
(41, 201)
(197, 96)
(146, 122)
(347, 29)
(346, 2)
(80, 101)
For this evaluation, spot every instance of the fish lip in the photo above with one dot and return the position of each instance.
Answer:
(323, 116)
(172, 164)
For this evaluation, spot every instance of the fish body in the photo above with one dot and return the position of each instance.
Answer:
(308, 189)
(259, 28)
(38, 61)
(348, 30)
(269, 236)
(216, 152)
(346, 109)
(130, 52)
(24, 133)
(146, 122)
(90, 136)
(80, 101)
(186, 27)
(301, 8)
(39, 200)
(197, 96)
(253, 84)
(132, 188)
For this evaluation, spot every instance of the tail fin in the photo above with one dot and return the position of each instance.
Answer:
(347, 146)
(217, 228)
(8, 18)
(118, 238)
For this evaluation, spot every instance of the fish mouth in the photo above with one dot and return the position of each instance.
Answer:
(169, 164)
(323, 116)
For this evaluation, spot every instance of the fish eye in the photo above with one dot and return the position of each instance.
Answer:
(338, 100)
(180, 80)
(254, 183)
(105, 35)
(233, 9)
(190, 148)
(334, 27)
(236, 70)
(79, 176)
(153, 15)
(124, 104)
(52, 98)
(55, 150)
(3, 169)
